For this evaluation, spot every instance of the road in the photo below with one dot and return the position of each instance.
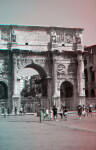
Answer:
(27, 133)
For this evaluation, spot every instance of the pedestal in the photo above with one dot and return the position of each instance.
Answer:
(56, 102)
(16, 103)
(81, 100)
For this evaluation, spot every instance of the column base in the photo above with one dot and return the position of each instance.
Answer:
(81, 100)
(56, 102)
(16, 103)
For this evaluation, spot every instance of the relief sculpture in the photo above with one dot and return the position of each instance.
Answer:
(68, 37)
(5, 34)
(40, 61)
(61, 71)
(53, 34)
(22, 62)
(72, 69)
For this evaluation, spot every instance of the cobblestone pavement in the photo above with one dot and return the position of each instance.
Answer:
(27, 133)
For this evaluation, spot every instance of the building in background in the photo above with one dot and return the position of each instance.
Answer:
(90, 74)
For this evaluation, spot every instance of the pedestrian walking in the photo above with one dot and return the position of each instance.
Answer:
(61, 113)
(21, 110)
(47, 113)
(90, 110)
(65, 113)
(87, 109)
(55, 113)
(51, 114)
(5, 112)
(79, 109)
(84, 110)
(15, 109)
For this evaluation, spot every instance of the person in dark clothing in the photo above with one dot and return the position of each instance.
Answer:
(15, 110)
(55, 112)
(90, 110)
(65, 112)
(79, 109)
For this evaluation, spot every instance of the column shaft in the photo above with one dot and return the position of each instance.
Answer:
(80, 76)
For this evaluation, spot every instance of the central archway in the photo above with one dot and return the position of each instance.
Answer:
(43, 75)
(30, 101)
(66, 94)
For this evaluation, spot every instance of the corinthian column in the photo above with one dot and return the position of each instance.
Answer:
(54, 79)
(80, 75)
(14, 77)
(56, 93)
(16, 97)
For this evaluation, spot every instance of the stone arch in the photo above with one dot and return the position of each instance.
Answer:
(66, 89)
(38, 68)
(3, 95)
(92, 93)
(66, 94)
(43, 76)
(3, 90)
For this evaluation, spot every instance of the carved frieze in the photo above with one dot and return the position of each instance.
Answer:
(68, 37)
(53, 34)
(62, 37)
(5, 33)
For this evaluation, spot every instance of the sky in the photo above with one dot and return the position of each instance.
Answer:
(63, 13)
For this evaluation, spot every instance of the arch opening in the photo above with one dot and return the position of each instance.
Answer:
(3, 96)
(42, 80)
(66, 89)
(30, 95)
(66, 94)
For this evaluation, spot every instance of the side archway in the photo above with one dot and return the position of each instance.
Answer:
(66, 89)
(3, 95)
(66, 94)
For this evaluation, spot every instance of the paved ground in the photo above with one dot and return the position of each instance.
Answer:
(27, 133)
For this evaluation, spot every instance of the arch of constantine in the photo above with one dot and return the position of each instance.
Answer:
(56, 53)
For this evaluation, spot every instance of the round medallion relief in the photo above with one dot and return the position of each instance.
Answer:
(61, 68)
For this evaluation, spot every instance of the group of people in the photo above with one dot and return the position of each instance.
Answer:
(21, 110)
(84, 110)
(52, 113)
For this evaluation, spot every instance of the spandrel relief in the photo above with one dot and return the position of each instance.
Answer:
(22, 62)
(72, 69)
(4, 69)
(61, 71)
